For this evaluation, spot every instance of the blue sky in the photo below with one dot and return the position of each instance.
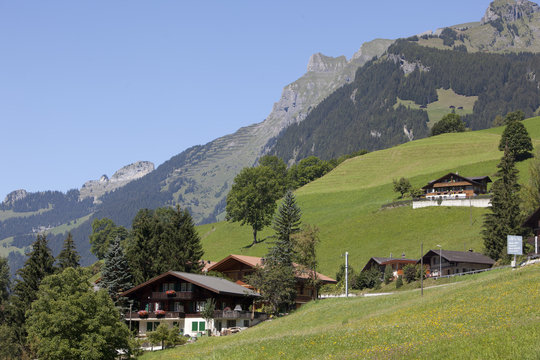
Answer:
(87, 87)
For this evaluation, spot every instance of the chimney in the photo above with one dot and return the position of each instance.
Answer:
(403, 255)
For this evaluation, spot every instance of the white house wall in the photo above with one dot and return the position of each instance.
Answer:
(480, 203)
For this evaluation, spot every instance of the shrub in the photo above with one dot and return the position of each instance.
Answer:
(409, 272)
(399, 282)
(388, 274)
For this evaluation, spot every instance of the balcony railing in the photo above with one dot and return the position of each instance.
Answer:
(179, 295)
(152, 315)
(222, 314)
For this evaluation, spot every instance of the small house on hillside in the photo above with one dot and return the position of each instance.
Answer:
(237, 267)
(455, 262)
(533, 223)
(455, 186)
(178, 298)
(397, 264)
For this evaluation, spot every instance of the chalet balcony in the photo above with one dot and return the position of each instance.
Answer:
(178, 295)
(151, 315)
(232, 314)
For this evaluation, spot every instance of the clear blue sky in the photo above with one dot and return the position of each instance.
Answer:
(87, 87)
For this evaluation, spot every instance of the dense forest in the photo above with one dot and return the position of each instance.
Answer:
(363, 114)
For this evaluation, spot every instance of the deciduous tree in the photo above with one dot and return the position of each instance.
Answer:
(450, 123)
(402, 186)
(69, 320)
(530, 197)
(305, 252)
(252, 199)
(104, 231)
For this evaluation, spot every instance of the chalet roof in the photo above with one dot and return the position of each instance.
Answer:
(211, 283)
(532, 221)
(475, 180)
(460, 256)
(388, 260)
(254, 261)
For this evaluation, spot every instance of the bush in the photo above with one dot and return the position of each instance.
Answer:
(399, 282)
(367, 279)
(409, 272)
(388, 274)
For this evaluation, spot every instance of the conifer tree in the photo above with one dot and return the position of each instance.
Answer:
(5, 284)
(504, 216)
(286, 223)
(40, 263)
(516, 138)
(115, 275)
(68, 257)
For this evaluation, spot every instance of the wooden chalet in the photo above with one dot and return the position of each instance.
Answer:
(455, 186)
(455, 262)
(533, 223)
(237, 267)
(177, 299)
(397, 264)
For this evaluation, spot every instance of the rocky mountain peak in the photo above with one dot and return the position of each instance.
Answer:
(13, 196)
(322, 63)
(96, 188)
(510, 10)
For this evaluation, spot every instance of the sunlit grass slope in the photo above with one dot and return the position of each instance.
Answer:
(491, 316)
(346, 203)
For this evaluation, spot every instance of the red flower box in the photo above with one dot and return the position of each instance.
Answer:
(143, 313)
(170, 292)
(159, 313)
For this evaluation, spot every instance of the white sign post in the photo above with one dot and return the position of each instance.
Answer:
(514, 246)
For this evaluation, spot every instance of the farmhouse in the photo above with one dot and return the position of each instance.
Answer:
(177, 298)
(397, 264)
(237, 267)
(455, 186)
(455, 262)
(533, 222)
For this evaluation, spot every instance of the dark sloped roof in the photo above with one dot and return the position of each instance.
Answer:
(474, 179)
(532, 221)
(215, 284)
(212, 283)
(383, 260)
(461, 256)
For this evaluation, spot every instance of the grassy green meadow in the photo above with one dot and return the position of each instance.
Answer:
(346, 203)
(492, 315)
(437, 109)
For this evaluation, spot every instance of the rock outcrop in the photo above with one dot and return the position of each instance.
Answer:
(15, 195)
(510, 10)
(96, 188)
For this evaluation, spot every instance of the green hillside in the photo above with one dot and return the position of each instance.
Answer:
(490, 316)
(346, 203)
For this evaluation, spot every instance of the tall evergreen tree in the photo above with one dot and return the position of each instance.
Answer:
(286, 223)
(68, 257)
(516, 138)
(116, 276)
(161, 240)
(504, 216)
(40, 263)
(5, 285)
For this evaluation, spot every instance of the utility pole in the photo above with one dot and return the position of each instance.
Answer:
(346, 274)
(422, 269)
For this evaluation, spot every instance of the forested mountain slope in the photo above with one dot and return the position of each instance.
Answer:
(366, 114)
